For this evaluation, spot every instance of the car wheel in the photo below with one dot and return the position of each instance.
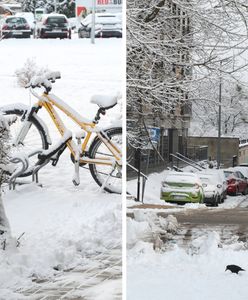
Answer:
(245, 191)
(216, 201)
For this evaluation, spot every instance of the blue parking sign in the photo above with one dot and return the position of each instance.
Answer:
(154, 133)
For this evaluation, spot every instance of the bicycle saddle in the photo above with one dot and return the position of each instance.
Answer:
(104, 101)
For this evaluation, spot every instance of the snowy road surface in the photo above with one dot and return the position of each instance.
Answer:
(71, 247)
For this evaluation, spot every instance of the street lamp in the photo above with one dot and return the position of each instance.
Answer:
(219, 121)
(55, 6)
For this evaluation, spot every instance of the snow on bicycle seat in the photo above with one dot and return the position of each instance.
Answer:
(104, 101)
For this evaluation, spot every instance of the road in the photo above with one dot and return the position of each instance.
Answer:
(230, 223)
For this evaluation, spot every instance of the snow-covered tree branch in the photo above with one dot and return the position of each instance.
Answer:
(174, 47)
(66, 7)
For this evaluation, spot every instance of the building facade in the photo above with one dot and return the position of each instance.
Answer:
(170, 114)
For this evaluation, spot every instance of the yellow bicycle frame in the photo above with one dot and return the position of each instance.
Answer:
(48, 103)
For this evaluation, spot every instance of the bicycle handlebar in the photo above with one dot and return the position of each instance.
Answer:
(44, 81)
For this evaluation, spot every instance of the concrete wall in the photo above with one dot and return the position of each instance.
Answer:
(229, 148)
(243, 154)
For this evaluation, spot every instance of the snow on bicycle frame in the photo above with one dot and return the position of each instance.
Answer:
(79, 152)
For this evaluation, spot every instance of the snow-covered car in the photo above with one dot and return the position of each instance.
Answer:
(106, 25)
(53, 26)
(220, 179)
(182, 187)
(15, 27)
(212, 190)
(242, 169)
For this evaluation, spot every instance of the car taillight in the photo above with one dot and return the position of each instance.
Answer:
(5, 27)
(45, 22)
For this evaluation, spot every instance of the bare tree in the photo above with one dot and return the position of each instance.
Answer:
(173, 47)
(234, 110)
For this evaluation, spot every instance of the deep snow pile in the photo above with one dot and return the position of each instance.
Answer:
(61, 229)
(65, 227)
(194, 273)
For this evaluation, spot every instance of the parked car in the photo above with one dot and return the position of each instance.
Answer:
(182, 187)
(53, 26)
(242, 169)
(237, 182)
(29, 16)
(220, 179)
(15, 27)
(212, 189)
(106, 25)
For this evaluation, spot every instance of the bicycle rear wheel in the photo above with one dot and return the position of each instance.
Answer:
(35, 139)
(109, 176)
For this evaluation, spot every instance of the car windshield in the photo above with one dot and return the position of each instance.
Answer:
(16, 21)
(101, 19)
(178, 178)
(228, 173)
(56, 20)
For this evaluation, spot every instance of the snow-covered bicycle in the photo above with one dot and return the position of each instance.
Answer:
(99, 148)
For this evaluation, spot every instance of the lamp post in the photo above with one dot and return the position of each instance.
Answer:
(219, 121)
(55, 6)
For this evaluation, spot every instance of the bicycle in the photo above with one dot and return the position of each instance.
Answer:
(102, 153)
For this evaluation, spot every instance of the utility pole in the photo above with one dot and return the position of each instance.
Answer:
(219, 121)
(92, 33)
(55, 6)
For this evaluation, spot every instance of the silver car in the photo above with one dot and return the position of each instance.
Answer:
(106, 25)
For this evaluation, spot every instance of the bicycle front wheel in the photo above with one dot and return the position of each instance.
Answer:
(107, 176)
(35, 138)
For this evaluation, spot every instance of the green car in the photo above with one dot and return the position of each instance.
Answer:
(182, 187)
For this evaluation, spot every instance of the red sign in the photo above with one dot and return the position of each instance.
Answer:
(80, 10)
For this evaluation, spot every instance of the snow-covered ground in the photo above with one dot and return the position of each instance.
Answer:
(67, 230)
(170, 261)
(180, 274)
